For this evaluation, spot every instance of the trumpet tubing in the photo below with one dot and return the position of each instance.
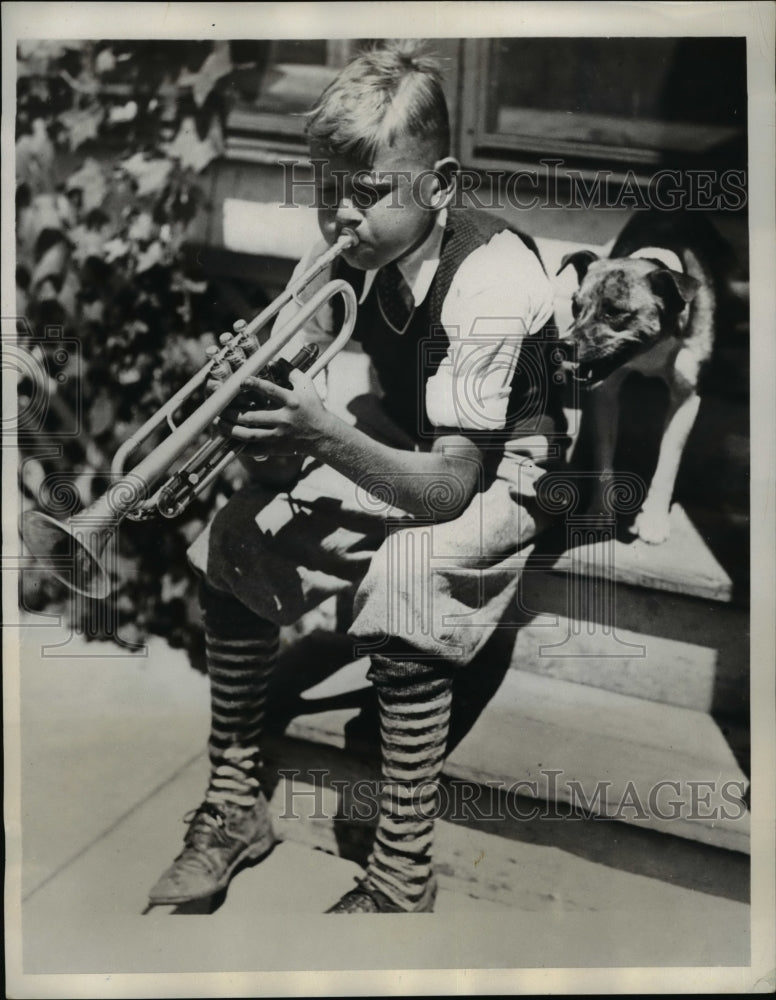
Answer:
(216, 453)
(73, 550)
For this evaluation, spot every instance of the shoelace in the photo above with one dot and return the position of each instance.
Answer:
(207, 827)
(384, 902)
(380, 900)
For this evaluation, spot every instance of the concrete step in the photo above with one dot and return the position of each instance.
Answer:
(645, 643)
(644, 621)
(685, 564)
(328, 799)
(656, 766)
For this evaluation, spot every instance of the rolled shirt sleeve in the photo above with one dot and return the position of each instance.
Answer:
(499, 295)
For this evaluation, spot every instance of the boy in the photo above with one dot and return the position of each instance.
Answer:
(439, 466)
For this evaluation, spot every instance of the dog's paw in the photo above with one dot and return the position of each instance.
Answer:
(652, 526)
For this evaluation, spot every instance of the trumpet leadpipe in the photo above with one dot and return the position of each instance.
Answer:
(249, 341)
(169, 450)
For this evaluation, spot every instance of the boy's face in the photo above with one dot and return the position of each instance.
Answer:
(390, 207)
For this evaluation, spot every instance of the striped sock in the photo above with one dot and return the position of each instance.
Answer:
(241, 653)
(414, 724)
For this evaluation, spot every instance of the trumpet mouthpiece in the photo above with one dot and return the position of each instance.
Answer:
(347, 239)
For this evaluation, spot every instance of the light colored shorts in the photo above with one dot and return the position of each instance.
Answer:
(438, 588)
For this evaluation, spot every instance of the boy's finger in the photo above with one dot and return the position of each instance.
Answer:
(258, 418)
(267, 388)
(299, 378)
(229, 415)
(253, 435)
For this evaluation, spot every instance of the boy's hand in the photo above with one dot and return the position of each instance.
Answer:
(229, 417)
(294, 424)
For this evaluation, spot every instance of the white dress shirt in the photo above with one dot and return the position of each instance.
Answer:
(499, 295)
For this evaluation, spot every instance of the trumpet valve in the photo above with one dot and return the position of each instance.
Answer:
(247, 338)
(234, 355)
(219, 368)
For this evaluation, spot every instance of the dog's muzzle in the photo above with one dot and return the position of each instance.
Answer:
(593, 365)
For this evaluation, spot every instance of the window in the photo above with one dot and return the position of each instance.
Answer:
(636, 101)
(278, 82)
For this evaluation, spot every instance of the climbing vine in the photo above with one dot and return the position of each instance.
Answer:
(112, 145)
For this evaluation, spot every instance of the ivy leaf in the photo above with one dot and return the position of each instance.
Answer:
(115, 249)
(87, 243)
(35, 158)
(36, 56)
(61, 288)
(102, 413)
(47, 211)
(33, 476)
(81, 124)
(119, 114)
(217, 65)
(90, 181)
(149, 175)
(93, 312)
(150, 257)
(192, 151)
(105, 61)
(85, 83)
(52, 264)
(142, 228)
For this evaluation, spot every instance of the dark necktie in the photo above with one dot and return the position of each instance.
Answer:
(395, 297)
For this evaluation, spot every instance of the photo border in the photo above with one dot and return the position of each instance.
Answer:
(429, 20)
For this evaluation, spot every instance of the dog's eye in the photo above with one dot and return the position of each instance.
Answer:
(617, 318)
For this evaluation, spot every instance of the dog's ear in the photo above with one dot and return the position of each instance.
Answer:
(581, 259)
(673, 287)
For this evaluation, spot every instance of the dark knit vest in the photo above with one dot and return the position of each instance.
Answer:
(404, 362)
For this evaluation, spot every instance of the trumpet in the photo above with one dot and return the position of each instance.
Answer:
(215, 454)
(76, 551)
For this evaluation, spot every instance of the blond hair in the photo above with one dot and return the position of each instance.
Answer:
(388, 92)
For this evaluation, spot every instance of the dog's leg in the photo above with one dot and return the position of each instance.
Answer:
(604, 411)
(652, 524)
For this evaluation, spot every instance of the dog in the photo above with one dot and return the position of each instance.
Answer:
(650, 307)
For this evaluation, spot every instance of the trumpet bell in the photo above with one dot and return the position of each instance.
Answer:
(71, 551)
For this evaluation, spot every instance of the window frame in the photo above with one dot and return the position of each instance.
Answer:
(260, 136)
(484, 149)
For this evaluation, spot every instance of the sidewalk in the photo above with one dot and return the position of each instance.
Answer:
(113, 757)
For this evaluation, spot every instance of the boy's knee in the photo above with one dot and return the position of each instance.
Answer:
(224, 614)
(401, 559)
(236, 556)
(223, 541)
